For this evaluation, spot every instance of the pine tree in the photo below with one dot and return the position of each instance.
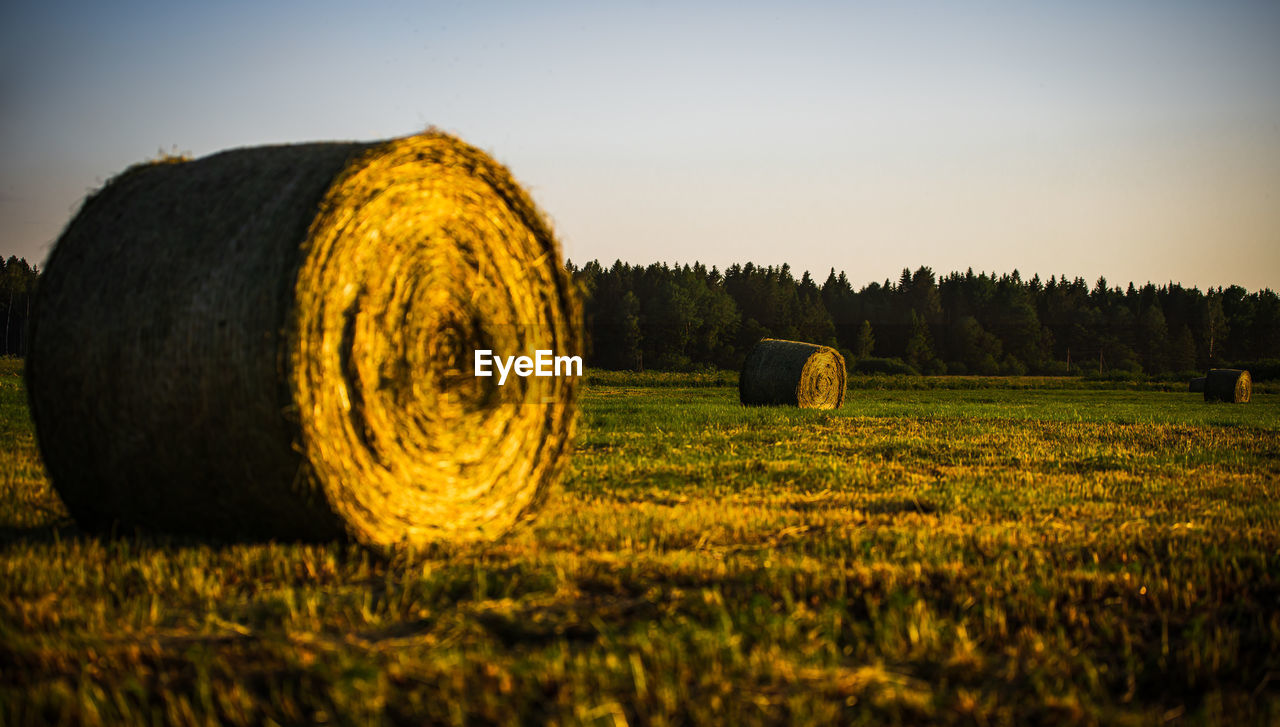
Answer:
(865, 342)
(629, 337)
(1182, 350)
(1153, 340)
(919, 351)
(1215, 324)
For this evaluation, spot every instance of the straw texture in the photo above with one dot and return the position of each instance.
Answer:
(278, 342)
(1230, 385)
(792, 373)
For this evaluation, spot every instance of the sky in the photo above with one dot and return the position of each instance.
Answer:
(1135, 140)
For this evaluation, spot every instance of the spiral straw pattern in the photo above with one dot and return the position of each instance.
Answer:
(288, 347)
(793, 373)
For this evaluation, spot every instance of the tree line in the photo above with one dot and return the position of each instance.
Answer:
(690, 316)
(17, 283)
(685, 317)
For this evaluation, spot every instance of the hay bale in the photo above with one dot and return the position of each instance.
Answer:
(278, 342)
(1197, 385)
(793, 373)
(1230, 385)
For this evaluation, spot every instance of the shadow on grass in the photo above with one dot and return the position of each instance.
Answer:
(66, 530)
(345, 551)
(896, 506)
(47, 534)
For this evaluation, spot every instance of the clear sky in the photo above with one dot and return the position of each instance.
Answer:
(1138, 140)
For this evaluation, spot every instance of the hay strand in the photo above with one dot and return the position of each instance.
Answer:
(1233, 386)
(277, 342)
(793, 373)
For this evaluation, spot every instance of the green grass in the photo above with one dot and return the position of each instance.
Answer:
(973, 556)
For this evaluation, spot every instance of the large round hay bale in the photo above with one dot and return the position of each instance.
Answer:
(792, 373)
(1197, 385)
(278, 342)
(1230, 385)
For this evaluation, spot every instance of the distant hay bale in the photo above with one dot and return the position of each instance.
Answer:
(1197, 385)
(277, 342)
(1230, 385)
(793, 373)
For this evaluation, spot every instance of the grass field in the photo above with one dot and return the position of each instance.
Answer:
(986, 555)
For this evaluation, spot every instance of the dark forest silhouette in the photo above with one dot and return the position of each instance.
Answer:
(688, 316)
(17, 283)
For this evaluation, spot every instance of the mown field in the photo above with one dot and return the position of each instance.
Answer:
(980, 552)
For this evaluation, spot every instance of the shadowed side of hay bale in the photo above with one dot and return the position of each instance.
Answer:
(793, 373)
(276, 342)
(1229, 385)
(154, 371)
(1197, 385)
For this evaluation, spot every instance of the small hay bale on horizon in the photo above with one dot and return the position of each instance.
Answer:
(1197, 385)
(1234, 386)
(274, 342)
(792, 373)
